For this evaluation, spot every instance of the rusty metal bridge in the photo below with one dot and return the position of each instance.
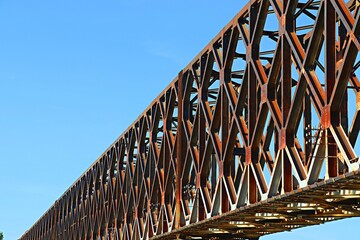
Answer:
(258, 134)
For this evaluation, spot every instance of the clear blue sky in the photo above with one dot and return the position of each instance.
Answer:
(75, 74)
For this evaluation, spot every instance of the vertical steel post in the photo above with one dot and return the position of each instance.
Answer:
(202, 92)
(286, 137)
(330, 76)
(252, 101)
(53, 235)
(179, 152)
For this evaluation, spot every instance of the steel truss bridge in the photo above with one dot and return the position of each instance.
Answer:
(258, 134)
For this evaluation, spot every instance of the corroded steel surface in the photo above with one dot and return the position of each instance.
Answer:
(258, 134)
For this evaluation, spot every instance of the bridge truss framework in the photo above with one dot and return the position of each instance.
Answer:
(257, 135)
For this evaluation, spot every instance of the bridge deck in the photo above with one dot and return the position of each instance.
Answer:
(321, 202)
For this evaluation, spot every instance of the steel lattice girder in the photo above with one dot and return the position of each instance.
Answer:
(256, 135)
